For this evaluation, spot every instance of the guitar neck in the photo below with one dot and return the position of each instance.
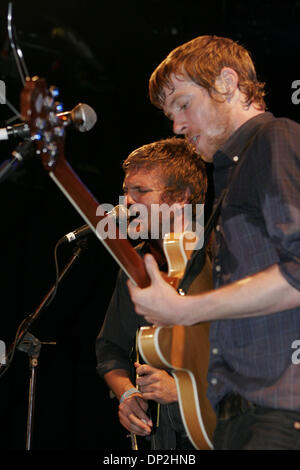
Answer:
(85, 203)
(39, 110)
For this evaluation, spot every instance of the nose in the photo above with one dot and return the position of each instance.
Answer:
(129, 199)
(179, 126)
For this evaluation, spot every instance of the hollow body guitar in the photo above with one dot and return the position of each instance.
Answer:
(184, 351)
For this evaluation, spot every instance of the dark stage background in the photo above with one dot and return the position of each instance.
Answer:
(100, 53)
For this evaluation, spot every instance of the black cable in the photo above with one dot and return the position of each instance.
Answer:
(4, 367)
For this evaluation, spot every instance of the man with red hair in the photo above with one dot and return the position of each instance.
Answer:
(209, 89)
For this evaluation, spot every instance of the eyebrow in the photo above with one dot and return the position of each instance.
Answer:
(137, 186)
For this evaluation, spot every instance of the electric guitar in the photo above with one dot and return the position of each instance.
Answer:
(185, 349)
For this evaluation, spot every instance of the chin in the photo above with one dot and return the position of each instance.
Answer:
(207, 158)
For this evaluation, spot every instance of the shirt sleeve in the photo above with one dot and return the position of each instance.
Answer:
(116, 340)
(278, 158)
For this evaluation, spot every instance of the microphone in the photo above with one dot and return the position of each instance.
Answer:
(21, 131)
(119, 213)
(82, 117)
(77, 233)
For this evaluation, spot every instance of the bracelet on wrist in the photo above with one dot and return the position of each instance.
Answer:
(128, 393)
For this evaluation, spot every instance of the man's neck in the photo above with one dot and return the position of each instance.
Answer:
(241, 114)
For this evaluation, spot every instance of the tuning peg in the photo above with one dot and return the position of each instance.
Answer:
(59, 107)
(48, 102)
(54, 91)
(40, 123)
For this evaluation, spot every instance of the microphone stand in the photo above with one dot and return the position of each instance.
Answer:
(26, 342)
(32, 346)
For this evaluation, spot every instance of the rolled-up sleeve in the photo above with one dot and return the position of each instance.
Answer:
(110, 357)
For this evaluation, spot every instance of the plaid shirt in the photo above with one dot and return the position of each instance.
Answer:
(259, 226)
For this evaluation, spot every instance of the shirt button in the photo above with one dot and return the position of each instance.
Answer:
(215, 351)
(218, 268)
(236, 158)
(214, 381)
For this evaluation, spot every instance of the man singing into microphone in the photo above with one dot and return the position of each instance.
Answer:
(170, 172)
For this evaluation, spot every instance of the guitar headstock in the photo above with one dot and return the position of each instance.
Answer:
(39, 109)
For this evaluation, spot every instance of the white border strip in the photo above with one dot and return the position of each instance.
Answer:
(181, 247)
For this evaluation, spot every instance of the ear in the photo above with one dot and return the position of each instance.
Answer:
(227, 82)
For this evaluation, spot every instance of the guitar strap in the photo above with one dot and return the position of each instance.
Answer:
(198, 258)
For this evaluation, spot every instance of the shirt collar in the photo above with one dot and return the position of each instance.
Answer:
(232, 148)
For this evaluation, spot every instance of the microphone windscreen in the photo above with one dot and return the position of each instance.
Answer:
(84, 117)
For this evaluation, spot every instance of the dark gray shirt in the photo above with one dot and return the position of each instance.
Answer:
(259, 226)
